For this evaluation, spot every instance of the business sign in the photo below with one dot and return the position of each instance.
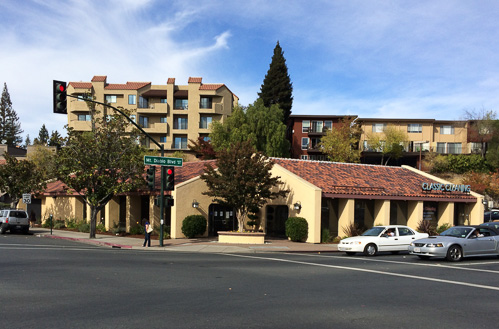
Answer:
(162, 161)
(446, 187)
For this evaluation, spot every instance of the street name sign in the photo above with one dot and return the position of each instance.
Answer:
(162, 161)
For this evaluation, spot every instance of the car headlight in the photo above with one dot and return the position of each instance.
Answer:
(435, 245)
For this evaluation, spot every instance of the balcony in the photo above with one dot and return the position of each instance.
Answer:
(315, 130)
(154, 108)
(158, 128)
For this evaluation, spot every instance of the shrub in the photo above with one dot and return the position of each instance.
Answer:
(353, 229)
(100, 228)
(58, 224)
(297, 229)
(325, 236)
(426, 226)
(83, 227)
(442, 228)
(137, 230)
(193, 225)
(71, 223)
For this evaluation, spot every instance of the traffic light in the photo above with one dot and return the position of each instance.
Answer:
(151, 171)
(60, 95)
(170, 179)
(169, 202)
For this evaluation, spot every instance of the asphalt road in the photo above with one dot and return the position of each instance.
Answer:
(49, 283)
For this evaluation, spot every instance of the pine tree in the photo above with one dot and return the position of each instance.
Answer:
(10, 127)
(277, 87)
(43, 136)
(56, 139)
(27, 141)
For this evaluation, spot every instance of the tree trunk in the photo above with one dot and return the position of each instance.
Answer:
(93, 221)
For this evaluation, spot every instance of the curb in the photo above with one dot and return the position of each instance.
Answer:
(88, 241)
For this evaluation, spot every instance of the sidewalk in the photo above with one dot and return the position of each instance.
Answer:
(208, 245)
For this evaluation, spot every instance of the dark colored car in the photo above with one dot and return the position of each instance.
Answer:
(491, 215)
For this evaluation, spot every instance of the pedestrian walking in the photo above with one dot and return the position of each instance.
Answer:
(32, 218)
(147, 233)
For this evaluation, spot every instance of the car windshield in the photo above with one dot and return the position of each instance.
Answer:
(457, 232)
(375, 231)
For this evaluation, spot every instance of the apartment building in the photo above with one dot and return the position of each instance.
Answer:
(305, 133)
(172, 114)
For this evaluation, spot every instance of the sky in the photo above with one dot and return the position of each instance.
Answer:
(430, 59)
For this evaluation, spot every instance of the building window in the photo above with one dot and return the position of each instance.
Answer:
(162, 120)
(143, 103)
(84, 97)
(144, 121)
(132, 99)
(304, 157)
(328, 125)
(446, 130)
(206, 138)
(440, 147)
(180, 123)
(181, 104)
(476, 147)
(110, 98)
(162, 139)
(454, 148)
(304, 143)
(205, 122)
(163, 100)
(317, 126)
(305, 126)
(414, 128)
(133, 117)
(84, 117)
(379, 127)
(205, 103)
(180, 143)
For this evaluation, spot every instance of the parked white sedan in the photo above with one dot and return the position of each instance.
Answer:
(392, 238)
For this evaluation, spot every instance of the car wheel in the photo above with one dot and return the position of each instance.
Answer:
(3, 230)
(423, 257)
(26, 230)
(454, 254)
(370, 250)
(350, 253)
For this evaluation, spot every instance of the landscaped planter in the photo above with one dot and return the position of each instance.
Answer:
(242, 238)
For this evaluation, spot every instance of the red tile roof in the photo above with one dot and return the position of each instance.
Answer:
(127, 86)
(194, 80)
(99, 78)
(81, 85)
(188, 171)
(367, 181)
(211, 86)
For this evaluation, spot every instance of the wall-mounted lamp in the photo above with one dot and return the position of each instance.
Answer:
(195, 204)
(297, 205)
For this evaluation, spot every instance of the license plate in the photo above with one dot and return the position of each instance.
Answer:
(417, 249)
(18, 227)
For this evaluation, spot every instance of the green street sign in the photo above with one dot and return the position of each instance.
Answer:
(162, 161)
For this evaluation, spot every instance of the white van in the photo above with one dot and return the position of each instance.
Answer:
(14, 219)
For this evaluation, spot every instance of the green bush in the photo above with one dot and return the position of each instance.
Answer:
(194, 225)
(297, 229)
(136, 230)
(442, 228)
(83, 227)
(326, 236)
(58, 224)
(71, 223)
(100, 228)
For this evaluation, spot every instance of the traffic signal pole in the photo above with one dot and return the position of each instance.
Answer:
(162, 189)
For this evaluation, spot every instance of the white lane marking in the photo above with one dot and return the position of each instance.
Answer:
(369, 271)
(415, 264)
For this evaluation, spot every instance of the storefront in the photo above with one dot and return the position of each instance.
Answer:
(330, 196)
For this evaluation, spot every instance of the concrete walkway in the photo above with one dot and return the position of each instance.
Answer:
(208, 245)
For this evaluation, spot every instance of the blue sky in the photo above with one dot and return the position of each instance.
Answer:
(375, 59)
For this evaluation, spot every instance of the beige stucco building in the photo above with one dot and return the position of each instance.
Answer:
(330, 196)
(172, 114)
